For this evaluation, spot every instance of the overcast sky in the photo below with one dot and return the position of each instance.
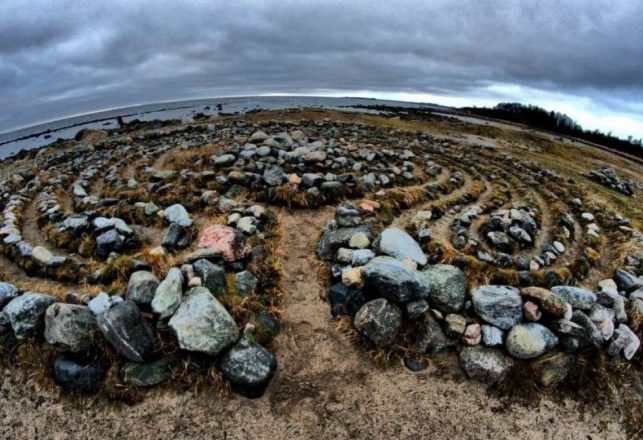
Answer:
(64, 57)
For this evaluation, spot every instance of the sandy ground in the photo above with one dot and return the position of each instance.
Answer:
(324, 389)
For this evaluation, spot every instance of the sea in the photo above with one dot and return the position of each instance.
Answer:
(36, 136)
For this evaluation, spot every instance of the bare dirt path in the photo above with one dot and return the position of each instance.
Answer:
(324, 389)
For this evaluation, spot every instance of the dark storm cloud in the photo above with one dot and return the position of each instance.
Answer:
(67, 56)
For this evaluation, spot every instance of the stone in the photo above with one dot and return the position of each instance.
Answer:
(359, 241)
(379, 321)
(266, 326)
(333, 239)
(390, 278)
(625, 341)
(345, 300)
(353, 277)
(455, 325)
(399, 244)
(527, 341)
(246, 282)
(491, 336)
(169, 293)
(361, 257)
(486, 365)
(227, 241)
(128, 332)
(472, 334)
(142, 287)
(531, 311)
(80, 377)
(347, 215)
(70, 327)
(577, 297)
(500, 306)
(224, 159)
(173, 236)
(100, 303)
(108, 242)
(499, 240)
(273, 175)
(147, 374)
(248, 367)
(431, 339)
(179, 215)
(552, 369)
(202, 323)
(627, 281)
(212, 276)
(258, 137)
(416, 309)
(548, 302)
(448, 287)
(42, 256)
(7, 292)
(26, 313)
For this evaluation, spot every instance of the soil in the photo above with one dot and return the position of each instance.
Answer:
(325, 388)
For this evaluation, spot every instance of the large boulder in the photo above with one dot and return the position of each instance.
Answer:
(391, 279)
(126, 329)
(498, 305)
(168, 294)
(527, 341)
(487, 365)
(399, 244)
(142, 287)
(202, 323)
(26, 313)
(70, 327)
(448, 287)
(81, 377)
(212, 276)
(249, 367)
(379, 320)
(333, 239)
(229, 242)
(577, 297)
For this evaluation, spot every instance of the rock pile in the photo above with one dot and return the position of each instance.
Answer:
(607, 176)
(383, 281)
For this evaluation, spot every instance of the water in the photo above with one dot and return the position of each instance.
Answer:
(42, 134)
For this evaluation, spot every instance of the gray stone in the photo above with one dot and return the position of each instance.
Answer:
(246, 282)
(625, 341)
(26, 313)
(126, 329)
(179, 215)
(7, 292)
(391, 279)
(273, 175)
(147, 375)
(333, 239)
(361, 256)
(577, 297)
(431, 338)
(202, 323)
(527, 341)
(448, 287)
(142, 287)
(417, 308)
(70, 327)
(500, 306)
(399, 244)
(248, 367)
(42, 256)
(108, 242)
(379, 321)
(212, 276)
(486, 365)
(169, 293)
(491, 336)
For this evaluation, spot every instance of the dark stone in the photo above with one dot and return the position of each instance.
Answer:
(108, 242)
(126, 329)
(212, 276)
(345, 300)
(81, 377)
(391, 279)
(333, 239)
(173, 236)
(249, 367)
(147, 375)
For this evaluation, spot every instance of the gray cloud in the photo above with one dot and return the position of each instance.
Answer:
(70, 56)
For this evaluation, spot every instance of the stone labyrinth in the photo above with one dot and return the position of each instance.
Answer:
(154, 256)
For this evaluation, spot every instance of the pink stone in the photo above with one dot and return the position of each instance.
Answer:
(531, 311)
(228, 241)
(472, 334)
(369, 206)
(294, 179)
